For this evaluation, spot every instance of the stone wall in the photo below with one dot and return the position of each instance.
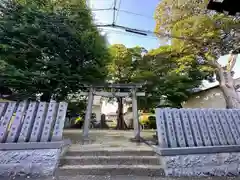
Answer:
(219, 164)
(41, 162)
(199, 142)
(211, 98)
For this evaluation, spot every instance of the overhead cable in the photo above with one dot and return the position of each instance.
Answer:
(119, 5)
(147, 32)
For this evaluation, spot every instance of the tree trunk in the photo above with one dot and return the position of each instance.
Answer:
(121, 125)
(226, 81)
(231, 97)
(227, 84)
(227, 87)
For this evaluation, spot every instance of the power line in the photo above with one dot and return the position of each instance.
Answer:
(124, 11)
(129, 34)
(114, 12)
(104, 9)
(133, 13)
(147, 32)
(119, 5)
(139, 31)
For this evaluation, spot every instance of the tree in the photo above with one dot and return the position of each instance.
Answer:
(209, 35)
(169, 77)
(50, 51)
(122, 69)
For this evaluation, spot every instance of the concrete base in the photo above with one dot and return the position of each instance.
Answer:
(41, 162)
(219, 164)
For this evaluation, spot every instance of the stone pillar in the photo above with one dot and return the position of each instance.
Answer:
(88, 115)
(135, 115)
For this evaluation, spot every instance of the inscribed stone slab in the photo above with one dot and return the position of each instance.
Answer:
(162, 132)
(5, 121)
(39, 122)
(16, 125)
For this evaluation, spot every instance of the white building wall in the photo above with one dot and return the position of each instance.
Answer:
(97, 107)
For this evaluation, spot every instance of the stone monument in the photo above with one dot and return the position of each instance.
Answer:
(199, 142)
(31, 137)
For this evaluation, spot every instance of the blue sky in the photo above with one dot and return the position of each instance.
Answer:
(145, 22)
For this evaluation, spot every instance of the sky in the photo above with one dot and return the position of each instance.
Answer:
(146, 9)
(146, 21)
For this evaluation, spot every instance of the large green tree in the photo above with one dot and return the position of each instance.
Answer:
(204, 34)
(165, 74)
(49, 49)
(123, 69)
(169, 77)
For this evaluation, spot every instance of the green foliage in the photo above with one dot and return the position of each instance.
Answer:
(169, 77)
(165, 74)
(76, 108)
(203, 36)
(48, 51)
(122, 68)
(209, 35)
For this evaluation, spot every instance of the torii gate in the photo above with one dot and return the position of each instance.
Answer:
(133, 93)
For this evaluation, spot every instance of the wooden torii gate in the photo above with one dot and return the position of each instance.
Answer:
(132, 93)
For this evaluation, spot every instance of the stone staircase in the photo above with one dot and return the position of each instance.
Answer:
(97, 160)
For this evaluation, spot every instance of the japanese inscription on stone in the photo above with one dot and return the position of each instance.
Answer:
(211, 128)
(196, 132)
(218, 127)
(170, 128)
(5, 121)
(179, 128)
(59, 124)
(17, 122)
(203, 128)
(162, 133)
(233, 127)
(38, 122)
(49, 121)
(28, 122)
(226, 127)
(187, 127)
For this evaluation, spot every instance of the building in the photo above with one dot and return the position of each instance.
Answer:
(207, 98)
(111, 116)
(97, 107)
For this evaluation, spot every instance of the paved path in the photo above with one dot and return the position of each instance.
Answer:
(111, 138)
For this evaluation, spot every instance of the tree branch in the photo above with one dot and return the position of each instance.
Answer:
(214, 64)
(231, 61)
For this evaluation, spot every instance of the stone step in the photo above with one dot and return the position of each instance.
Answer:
(137, 170)
(110, 160)
(109, 152)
